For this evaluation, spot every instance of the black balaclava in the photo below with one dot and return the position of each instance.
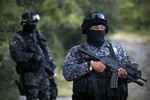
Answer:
(29, 28)
(96, 37)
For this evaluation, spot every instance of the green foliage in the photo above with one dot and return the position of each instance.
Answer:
(61, 20)
(8, 25)
(134, 14)
(7, 19)
(7, 74)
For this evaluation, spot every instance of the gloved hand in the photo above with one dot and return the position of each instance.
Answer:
(36, 58)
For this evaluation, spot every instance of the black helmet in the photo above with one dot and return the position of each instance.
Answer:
(94, 18)
(29, 17)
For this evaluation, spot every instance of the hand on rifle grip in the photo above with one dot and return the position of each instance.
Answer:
(98, 66)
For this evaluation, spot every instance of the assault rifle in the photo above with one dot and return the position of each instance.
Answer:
(134, 75)
(39, 51)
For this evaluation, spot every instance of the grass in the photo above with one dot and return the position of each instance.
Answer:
(64, 87)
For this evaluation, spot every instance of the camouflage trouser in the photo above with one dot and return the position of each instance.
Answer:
(36, 86)
(53, 90)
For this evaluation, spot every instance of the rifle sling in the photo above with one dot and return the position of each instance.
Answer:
(94, 81)
(111, 51)
(95, 85)
(114, 76)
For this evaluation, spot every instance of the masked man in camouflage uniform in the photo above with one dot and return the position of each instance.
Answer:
(25, 48)
(77, 70)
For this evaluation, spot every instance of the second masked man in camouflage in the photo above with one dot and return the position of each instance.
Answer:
(35, 64)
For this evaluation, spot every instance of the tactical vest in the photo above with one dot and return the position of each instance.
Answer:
(27, 45)
(96, 86)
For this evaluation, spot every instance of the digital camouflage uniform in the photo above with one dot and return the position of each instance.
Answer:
(74, 69)
(33, 75)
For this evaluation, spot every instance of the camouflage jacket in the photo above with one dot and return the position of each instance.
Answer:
(19, 44)
(73, 69)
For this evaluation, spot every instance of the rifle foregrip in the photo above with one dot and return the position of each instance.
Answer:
(143, 79)
(139, 82)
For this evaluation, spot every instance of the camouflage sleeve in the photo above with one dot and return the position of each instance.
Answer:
(72, 68)
(46, 51)
(16, 50)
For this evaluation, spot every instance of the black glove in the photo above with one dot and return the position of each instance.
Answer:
(36, 58)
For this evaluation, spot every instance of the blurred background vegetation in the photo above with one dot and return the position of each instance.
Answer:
(60, 23)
